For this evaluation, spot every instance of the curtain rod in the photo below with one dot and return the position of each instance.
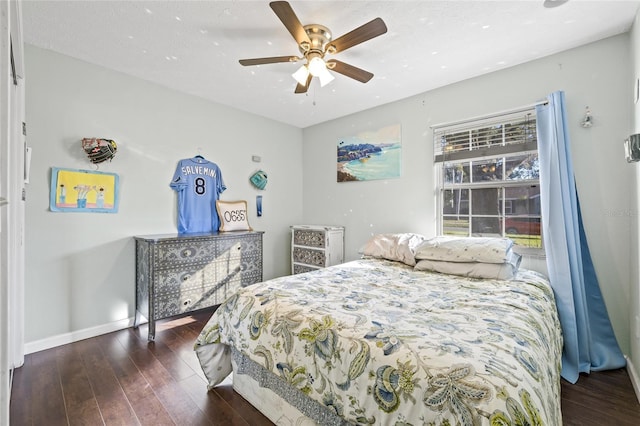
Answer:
(495, 114)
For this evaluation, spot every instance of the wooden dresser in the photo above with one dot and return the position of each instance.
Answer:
(180, 273)
(314, 247)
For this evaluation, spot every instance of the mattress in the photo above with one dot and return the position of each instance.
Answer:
(377, 342)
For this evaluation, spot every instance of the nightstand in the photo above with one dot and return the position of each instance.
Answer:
(315, 246)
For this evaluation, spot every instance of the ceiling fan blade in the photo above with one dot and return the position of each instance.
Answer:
(303, 89)
(349, 70)
(271, 60)
(361, 34)
(288, 17)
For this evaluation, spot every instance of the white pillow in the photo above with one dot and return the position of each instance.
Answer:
(466, 249)
(498, 271)
(398, 247)
(233, 215)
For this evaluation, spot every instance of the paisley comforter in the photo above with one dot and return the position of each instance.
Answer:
(378, 343)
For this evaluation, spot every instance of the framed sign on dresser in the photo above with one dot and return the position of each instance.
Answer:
(180, 273)
(316, 246)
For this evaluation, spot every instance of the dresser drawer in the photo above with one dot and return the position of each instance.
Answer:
(187, 300)
(170, 304)
(309, 256)
(299, 269)
(179, 253)
(200, 276)
(247, 245)
(252, 267)
(227, 267)
(172, 281)
(309, 238)
(251, 276)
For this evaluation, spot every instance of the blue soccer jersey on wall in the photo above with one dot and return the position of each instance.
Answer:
(199, 184)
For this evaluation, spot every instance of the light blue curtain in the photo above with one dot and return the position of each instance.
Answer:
(589, 341)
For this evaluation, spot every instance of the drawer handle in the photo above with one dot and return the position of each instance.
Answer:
(186, 302)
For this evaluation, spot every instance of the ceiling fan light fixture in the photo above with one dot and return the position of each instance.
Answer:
(317, 66)
(301, 75)
(314, 42)
(325, 77)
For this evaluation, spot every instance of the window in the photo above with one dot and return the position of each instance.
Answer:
(488, 179)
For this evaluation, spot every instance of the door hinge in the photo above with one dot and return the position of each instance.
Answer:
(24, 128)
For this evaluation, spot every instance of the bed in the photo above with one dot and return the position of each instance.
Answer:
(376, 341)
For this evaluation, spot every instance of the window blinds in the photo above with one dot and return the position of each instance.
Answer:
(495, 136)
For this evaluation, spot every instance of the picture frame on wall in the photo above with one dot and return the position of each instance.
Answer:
(75, 190)
(370, 155)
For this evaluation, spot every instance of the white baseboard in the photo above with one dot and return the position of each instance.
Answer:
(633, 375)
(75, 336)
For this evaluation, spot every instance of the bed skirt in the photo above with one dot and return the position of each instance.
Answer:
(278, 401)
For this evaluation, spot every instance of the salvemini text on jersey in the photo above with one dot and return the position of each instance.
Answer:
(198, 170)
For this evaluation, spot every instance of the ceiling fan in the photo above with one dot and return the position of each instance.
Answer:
(315, 41)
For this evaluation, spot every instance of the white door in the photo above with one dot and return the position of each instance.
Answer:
(12, 192)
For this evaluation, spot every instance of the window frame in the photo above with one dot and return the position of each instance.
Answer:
(497, 150)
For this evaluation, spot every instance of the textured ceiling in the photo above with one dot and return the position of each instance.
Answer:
(194, 46)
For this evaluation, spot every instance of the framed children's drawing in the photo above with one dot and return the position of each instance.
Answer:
(74, 190)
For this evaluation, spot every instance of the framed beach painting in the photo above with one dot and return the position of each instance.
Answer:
(370, 155)
(74, 190)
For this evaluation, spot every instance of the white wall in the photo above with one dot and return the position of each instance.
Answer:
(595, 75)
(80, 266)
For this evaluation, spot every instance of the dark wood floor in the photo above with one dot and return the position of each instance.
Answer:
(120, 379)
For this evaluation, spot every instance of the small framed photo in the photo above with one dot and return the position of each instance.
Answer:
(87, 191)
